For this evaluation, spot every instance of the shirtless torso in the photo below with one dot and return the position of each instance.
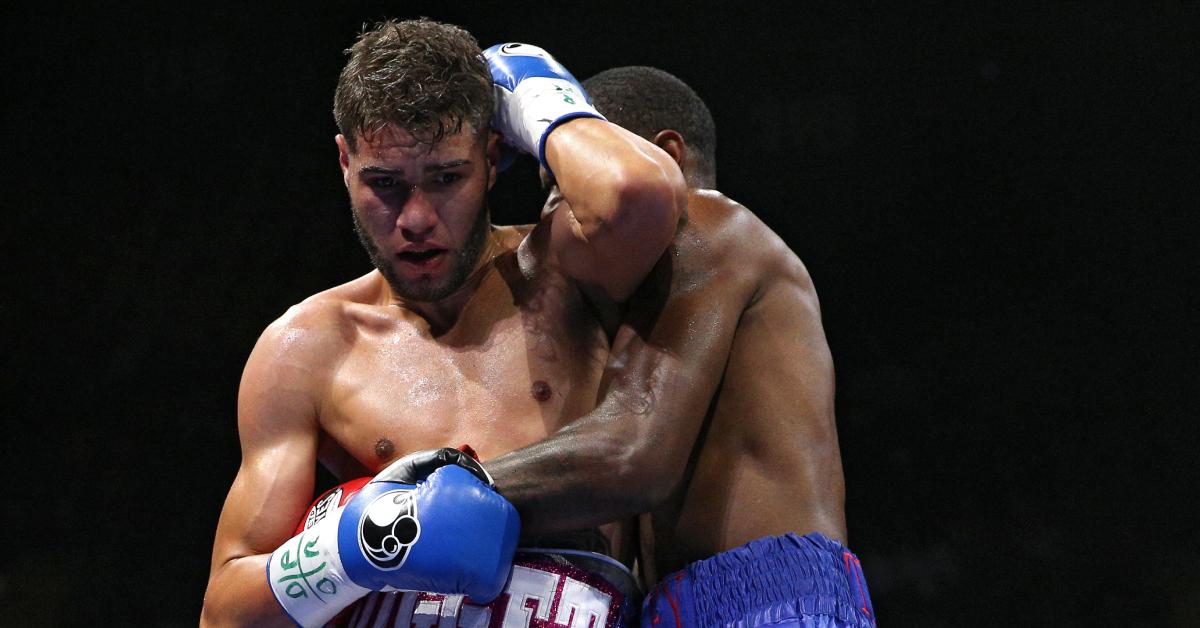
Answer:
(524, 358)
(766, 459)
(715, 414)
(362, 374)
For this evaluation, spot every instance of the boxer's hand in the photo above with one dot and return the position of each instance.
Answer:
(534, 94)
(418, 465)
(428, 522)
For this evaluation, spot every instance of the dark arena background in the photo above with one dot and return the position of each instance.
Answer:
(998, 204)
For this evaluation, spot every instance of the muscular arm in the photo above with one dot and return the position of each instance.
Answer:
(741, 316)
(624, 199)
(278, 431)
(664, 368)
(630, 451)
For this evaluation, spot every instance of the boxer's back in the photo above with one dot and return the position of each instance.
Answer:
(766, 461)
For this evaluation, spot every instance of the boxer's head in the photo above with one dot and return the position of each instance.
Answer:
(426, 78)
(664, 110)
(413, 105)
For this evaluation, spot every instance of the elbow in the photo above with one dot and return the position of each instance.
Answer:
(210, 614)
(647, 197)
(659, 187)
(654, 194)
(213, 612)
(238, 595)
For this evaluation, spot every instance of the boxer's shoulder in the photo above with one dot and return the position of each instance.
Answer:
(759, 254)
(289, 368)
(330, 314)
(323, 324)
(714, 208)
(734, 226)
(718, 248)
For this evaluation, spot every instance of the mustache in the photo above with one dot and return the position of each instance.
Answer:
(461, 268)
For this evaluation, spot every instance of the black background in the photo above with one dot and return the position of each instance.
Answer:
(997, 203)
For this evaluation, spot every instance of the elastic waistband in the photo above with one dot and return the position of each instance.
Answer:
(778, 577)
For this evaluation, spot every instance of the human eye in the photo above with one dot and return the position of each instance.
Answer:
(382, 182)
(448, 178)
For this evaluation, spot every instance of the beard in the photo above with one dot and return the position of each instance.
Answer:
(429, 289)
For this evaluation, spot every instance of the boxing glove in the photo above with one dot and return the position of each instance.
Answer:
(534, 94)
(430, 521)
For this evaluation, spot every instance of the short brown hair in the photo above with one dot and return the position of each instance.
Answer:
(425, 77)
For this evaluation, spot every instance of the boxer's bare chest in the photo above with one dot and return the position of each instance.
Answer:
(522, 360)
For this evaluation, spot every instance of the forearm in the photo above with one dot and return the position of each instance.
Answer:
(616, 181)
(621, 459)
(238, 595)
(624, 196)
(575, 479)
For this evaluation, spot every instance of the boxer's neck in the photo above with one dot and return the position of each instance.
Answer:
(441, 315)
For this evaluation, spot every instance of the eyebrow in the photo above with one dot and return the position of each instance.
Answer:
(445, 165)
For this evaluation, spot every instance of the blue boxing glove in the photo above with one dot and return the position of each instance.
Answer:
(430, 521)
(534, 94)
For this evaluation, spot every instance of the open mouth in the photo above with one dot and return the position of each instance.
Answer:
(420, 258)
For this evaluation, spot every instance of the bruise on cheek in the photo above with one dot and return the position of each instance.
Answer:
(384, 449)
(540, 391)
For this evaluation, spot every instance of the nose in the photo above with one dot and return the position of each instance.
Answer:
(417, 217)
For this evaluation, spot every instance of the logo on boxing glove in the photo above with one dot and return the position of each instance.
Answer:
(523, 50)
(388, 529)
(321, 509)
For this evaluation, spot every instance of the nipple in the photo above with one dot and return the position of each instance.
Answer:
(384, 449)
(540, 391)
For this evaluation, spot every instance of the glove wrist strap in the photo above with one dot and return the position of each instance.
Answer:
(535, 107)
(307, 577)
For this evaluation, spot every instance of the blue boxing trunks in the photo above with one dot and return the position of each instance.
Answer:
(548, 588)
(806, 581)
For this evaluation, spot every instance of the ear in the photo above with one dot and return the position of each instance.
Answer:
(493, 156)
(672, 142)
(343, 157)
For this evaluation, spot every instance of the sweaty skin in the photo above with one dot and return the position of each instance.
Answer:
(716, 411)
(357, 376)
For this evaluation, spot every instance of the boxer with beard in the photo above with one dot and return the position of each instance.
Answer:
(463, 333)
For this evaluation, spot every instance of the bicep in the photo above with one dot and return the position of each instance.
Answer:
(267, 499)
(277, 429)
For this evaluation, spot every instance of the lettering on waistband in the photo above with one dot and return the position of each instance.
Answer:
(545, 591)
